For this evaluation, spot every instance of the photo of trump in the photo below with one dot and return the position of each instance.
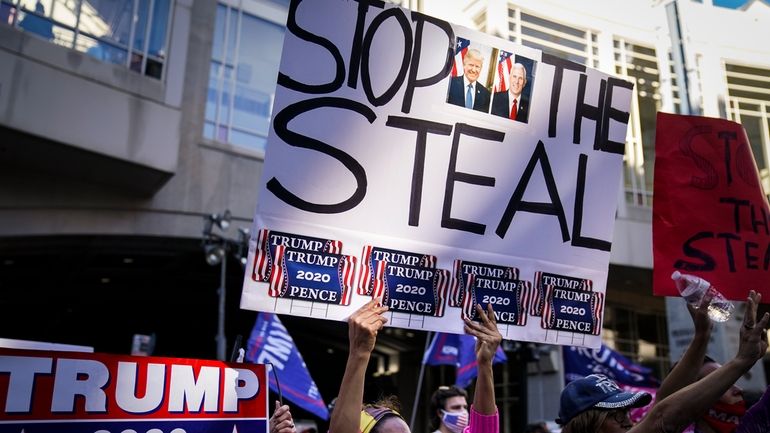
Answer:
(513, 103)
(465, 90)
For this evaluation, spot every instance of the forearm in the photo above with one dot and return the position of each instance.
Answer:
(686, 371)
(484, 396)
(347, 411)
(689, 403)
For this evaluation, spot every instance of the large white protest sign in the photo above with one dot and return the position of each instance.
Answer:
(378, 181)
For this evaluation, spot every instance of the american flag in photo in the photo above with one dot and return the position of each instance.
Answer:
(547, 319)
(455, 289)
(261, 257)
(347, 274)
(504, 65)
(469, 300)
(365, 274)
(461, 48)
(441, 287)
(526, 297)
(597, 309)
(278, 276)
(379, 279)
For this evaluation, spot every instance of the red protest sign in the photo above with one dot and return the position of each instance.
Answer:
(710, 217)
(46, 391)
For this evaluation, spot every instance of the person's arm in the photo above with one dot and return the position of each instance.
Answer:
(363, 326)
(685, 405)
(483, 413)
(282, 421)
(488, 338)
(686, 371)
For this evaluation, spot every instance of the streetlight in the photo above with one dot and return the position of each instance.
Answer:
(215, 248)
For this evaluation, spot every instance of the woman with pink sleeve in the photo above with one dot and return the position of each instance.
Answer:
(351, 416)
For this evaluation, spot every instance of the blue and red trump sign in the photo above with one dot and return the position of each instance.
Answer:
(57, 392)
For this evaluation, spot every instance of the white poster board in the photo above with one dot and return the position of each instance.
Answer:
(376, 183)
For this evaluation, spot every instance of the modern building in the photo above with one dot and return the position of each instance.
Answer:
(126, 124)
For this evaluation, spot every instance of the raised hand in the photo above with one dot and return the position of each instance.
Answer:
(488, 338)
(700, 316)
(282, 421)
(363, 326)
(753, 342)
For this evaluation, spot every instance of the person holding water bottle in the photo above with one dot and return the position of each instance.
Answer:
(728, 414)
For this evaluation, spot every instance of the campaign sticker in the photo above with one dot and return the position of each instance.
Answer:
(268, 240)
(410, 289)
(544, 279)
(509, 298)
(463, 269)
(372, 255)
(573, 310)
(312, 276)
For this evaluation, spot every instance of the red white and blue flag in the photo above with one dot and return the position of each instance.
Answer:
(504, 65)
(461, 49)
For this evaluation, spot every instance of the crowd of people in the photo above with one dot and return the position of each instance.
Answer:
(698, 395)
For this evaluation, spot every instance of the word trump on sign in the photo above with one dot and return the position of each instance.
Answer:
(144, 392)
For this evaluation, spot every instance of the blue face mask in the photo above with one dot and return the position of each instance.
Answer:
(455, 421)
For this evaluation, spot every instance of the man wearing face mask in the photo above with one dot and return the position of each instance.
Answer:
(449, 409)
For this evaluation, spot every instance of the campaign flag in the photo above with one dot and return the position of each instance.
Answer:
(458, 350)
(461, 48)
(580, 362)
(710, 217)
(270, 343)
(504, 65)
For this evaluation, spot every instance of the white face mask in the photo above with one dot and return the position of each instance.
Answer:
(455, 421)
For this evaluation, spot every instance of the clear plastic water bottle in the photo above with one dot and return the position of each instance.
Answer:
(693, 288)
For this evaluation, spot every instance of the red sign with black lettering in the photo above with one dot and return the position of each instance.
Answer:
(710, 217)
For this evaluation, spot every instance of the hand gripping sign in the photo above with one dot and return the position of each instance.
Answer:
(464, 268)
(372, 255)
(268, 240)
(544, 279)
(509, 298)
(411, 289)
(572, 310)
(312, 276)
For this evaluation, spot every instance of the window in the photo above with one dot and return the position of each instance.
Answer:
(638, 335)
(132, 33)
(638, 64)
(748, 103)
(244, 68)
(571, 43)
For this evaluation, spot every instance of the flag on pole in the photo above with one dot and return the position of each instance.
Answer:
(271, 343)
(460, 351)
(503, 76)
(461, 48)
(581, 361)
